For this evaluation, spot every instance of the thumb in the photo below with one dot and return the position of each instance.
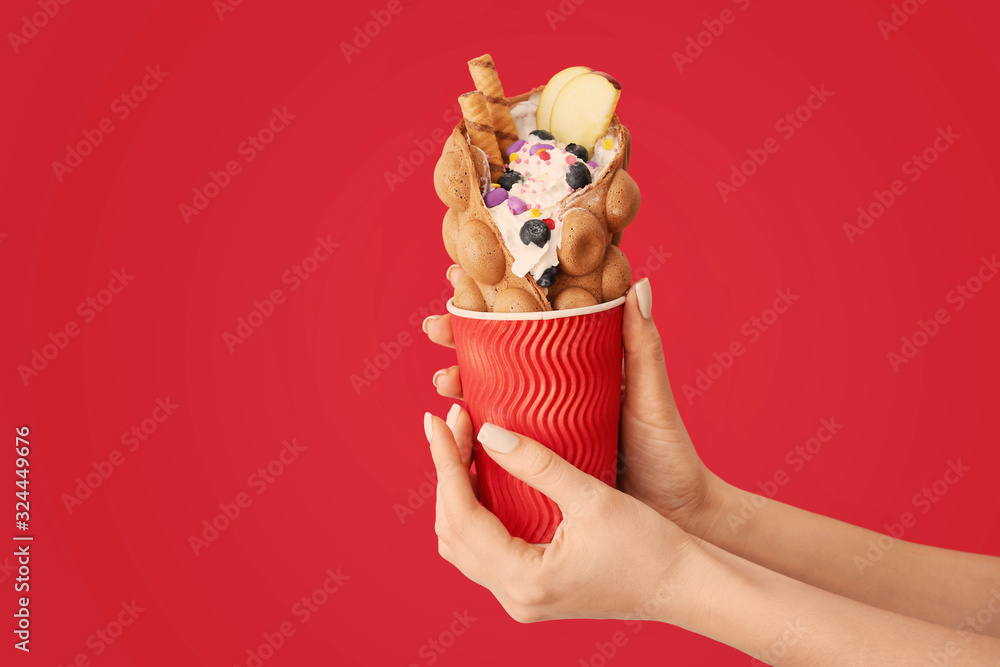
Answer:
(645, 370)
(538, 466)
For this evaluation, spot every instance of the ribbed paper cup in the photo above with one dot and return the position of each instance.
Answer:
(554, 376)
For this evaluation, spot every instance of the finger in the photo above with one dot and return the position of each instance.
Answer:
(645, 370)
(457, 554)
(448, 383)
(455, 273)
(471, 524)
(460, 423)
(538, 466)
(453, 476)
(461, 428)
(438, 329)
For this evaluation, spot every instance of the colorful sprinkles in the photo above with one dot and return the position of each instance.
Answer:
(540, 174)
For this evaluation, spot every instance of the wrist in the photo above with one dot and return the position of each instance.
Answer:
(680, 594)
(717, 502)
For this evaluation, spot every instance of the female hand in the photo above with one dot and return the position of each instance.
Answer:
(659, 464)
(611, 557)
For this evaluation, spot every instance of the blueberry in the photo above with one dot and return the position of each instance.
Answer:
(535, 231)
(579, 151)
(509, 178)
(578, 175)
(547, 278)
(542, 134)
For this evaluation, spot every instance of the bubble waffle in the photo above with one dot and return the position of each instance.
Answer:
(592, 268)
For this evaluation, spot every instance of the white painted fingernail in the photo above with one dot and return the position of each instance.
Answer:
(644, 295)
(450, 269)
(434, 380)
(498, 439)
(453, 415)
(429, 318)
(428, 426)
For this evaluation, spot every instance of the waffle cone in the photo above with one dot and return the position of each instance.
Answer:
(484, 75)
(480, 130)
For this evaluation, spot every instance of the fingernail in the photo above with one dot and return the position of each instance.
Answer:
(453, 415)
(427, 319)
(428, 426)
(434, 379)
(450, 269)
(644, 294)
(498, 439)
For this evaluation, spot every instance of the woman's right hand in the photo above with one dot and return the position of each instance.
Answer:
(659, 465)
(610, 557)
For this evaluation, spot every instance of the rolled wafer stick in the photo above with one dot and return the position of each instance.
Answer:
(484, 74)
(477, 122)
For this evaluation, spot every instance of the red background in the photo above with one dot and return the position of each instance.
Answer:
(325, 175)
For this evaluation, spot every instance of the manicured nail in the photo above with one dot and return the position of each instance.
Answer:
(498, 439)
(427, 319)
(450, 269)
(434, 379)
(644, 294)
(453, 415)
(428, 426)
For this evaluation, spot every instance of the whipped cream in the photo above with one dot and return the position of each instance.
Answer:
(543, 165)
(605, 150)
(524, 116)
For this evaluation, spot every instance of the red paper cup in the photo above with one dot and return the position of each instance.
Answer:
(554, 376)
